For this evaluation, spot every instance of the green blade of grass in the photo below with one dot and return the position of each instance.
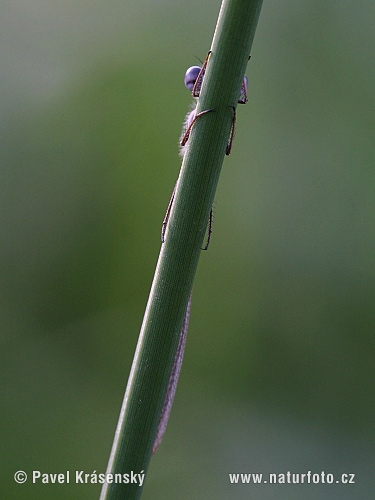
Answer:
(178, 259)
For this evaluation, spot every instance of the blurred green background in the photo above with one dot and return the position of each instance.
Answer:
(279, 367)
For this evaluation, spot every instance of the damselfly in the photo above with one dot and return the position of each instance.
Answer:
(193, 81)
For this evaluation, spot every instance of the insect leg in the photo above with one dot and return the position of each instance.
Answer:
(210, 220)
(186, 135)
(232, 131)
(167, 214)
(198, 81)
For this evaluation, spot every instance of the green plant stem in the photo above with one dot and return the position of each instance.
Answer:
(178, 259)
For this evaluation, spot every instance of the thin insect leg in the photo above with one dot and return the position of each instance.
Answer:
(198, 81)
(173, 379)
(186, 135)
(232, 131)
(210, 220)
(167, 214)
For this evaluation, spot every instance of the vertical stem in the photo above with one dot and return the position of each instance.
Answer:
(178, 259)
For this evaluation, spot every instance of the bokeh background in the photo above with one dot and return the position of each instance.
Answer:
(279, 368)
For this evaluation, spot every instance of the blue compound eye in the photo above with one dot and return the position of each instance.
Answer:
(191, 76)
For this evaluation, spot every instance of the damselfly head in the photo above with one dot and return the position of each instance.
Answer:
(191, 76)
